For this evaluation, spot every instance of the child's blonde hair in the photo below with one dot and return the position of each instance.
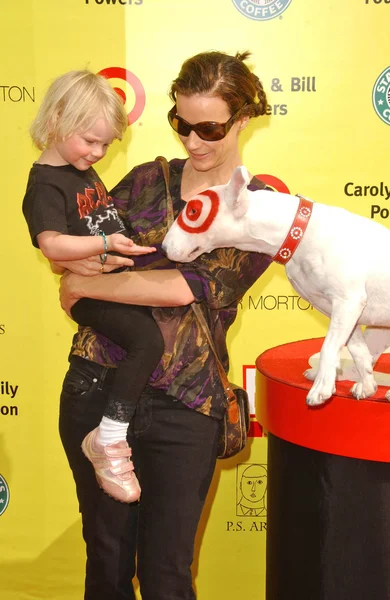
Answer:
(72, 104)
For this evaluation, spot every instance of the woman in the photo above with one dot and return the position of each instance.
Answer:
(174, 432)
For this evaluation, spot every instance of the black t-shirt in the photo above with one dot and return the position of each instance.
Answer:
(69, 201)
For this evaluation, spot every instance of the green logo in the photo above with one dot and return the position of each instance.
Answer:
(4, 495)
(381, 96)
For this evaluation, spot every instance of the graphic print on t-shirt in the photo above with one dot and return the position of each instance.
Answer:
(96, 207)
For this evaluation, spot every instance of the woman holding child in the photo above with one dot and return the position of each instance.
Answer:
(174, 432)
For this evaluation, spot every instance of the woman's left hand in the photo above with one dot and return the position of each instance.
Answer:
(70, 291)
(92, 265)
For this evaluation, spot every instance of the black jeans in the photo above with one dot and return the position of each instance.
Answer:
(174, 452)
(134, 329)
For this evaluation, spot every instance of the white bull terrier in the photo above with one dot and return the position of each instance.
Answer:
(336, 260)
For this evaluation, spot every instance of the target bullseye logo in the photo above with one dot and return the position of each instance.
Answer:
(277, 184)
(199, 213)
(136, 85)
(194, 208)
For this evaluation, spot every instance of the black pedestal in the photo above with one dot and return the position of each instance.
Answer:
(328, 530)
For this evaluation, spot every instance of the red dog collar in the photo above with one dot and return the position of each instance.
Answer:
(295, 234)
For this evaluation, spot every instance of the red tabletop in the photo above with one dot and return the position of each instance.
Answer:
(342, 426)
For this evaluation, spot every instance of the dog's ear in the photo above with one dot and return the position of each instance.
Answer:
(236, 194)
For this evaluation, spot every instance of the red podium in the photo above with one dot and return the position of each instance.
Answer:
(328, 515)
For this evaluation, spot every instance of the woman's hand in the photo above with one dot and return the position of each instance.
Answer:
(91, 266)
(56, 268)
(70, 290)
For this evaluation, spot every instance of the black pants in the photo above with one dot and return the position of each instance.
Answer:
(174, 452)
(134, 329)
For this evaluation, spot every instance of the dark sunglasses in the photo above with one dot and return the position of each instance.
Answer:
(210, 131)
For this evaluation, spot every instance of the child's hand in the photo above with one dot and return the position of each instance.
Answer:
(122, 244)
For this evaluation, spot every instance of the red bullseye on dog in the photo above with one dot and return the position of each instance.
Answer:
(199, 213)
(194, 208)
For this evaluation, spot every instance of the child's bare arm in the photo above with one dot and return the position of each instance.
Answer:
(59, 247)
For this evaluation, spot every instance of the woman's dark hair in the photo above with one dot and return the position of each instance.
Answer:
(219, 74)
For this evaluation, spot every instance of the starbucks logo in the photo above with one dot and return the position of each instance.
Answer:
(381, 96)
(4, 495)
(261, 10)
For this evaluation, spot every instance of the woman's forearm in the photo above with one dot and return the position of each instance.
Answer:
(143, 288)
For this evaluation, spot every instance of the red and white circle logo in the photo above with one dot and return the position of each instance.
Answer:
(199, 213)
(136, 87)
(274, 182)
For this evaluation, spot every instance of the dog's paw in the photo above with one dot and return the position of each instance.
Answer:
(314, 400)
(317, 397)
(310, 374)
(362, 390)
(322, 389)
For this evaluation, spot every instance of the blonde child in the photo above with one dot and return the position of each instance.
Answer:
(70, 216)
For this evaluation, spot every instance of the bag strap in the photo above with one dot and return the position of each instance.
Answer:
(165, 168)
(194, 305)
(221, 371)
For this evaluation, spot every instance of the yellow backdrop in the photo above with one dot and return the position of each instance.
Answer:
(326, 69)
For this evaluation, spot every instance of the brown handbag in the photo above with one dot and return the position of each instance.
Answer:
(234, 426)
(235, 423)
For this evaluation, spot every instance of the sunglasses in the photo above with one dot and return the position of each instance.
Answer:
(210, 131)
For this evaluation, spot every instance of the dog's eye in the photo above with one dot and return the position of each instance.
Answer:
(194, 208)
